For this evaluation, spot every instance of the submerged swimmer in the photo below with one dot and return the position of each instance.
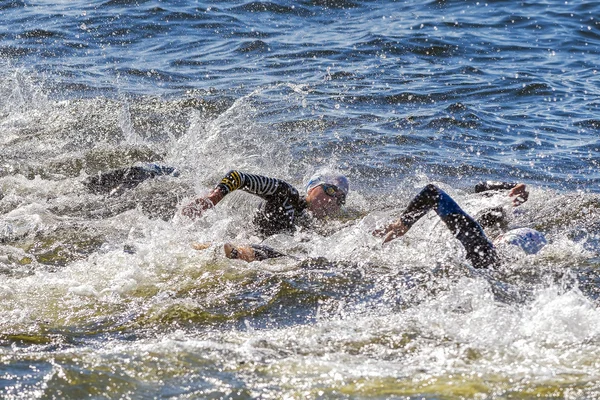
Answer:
(116, 181)
(480, 251)
(151, 187)
(282, 209)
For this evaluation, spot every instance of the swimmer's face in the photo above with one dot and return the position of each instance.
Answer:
(324, 200)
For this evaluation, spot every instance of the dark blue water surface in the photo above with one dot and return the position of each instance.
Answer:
(103, 296)
(456, 88)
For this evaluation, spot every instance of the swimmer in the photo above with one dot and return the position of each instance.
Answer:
(480, 251)
(282, 209)
(116, 181)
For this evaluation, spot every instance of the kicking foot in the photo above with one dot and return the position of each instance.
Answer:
(245, 253)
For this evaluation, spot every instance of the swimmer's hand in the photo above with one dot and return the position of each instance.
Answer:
(519, 194)
(392, 231)
(197, 207)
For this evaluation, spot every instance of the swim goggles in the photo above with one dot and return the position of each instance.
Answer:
(334, 191)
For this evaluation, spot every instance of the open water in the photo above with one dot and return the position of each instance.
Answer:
(104, 296)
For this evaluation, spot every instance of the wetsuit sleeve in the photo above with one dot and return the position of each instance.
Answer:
(492, 185)
(282, 201)
(262, 186)
(480, 250)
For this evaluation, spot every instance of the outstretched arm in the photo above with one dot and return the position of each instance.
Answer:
(518, 191)
(391, 231)
(262, 186)
(233, 180)
(479, 249)
(429, 198)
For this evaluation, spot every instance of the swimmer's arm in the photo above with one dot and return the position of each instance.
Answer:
(267, 188)
(255, 252)
(262, 186)
(251, 253)
(494, 185)
(518, 191)
(519, 194)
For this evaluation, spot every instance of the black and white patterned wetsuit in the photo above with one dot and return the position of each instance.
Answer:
(282, 203)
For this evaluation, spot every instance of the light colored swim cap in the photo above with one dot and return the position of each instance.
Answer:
(338, 180)
(527, 239)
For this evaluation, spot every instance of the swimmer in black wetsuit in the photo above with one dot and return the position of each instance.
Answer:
(118, 180)
(282, 208)
(480, 250)
(150, 186)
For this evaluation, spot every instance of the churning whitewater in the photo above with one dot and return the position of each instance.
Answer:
(117, 294)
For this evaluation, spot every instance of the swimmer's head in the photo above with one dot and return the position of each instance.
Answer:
(528, 240)
(326, 193)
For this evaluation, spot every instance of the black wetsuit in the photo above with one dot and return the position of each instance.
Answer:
(480, 251)
(117, 181)
(261, 252)
(282, 203)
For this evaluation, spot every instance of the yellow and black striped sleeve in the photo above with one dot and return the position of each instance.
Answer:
(233, 180)
(262, 186)
(281, 204)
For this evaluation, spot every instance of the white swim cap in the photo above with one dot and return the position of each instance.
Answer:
(527, 239)
(340, 181)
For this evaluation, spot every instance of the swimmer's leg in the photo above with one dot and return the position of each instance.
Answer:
(250, 253)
